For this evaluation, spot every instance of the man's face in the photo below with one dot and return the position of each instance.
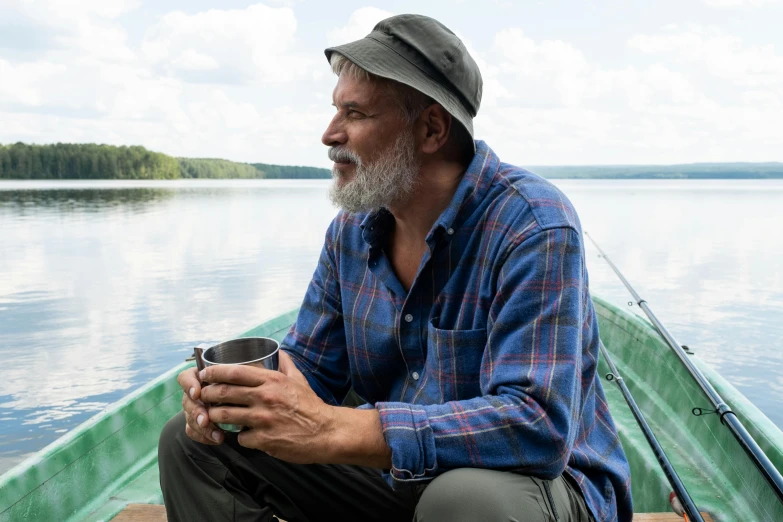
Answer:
(372, 146)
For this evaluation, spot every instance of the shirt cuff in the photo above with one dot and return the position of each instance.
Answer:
(407, 431)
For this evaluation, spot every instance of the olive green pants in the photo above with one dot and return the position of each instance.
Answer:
(229, 482)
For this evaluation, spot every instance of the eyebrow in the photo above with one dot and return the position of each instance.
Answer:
(349, 105)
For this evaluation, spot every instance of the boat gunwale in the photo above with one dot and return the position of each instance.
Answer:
(772, 434)
(55, 458)
(760, 424)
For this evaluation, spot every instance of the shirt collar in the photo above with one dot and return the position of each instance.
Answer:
(375, 226)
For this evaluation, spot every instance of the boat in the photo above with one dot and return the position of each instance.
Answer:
(110, 461)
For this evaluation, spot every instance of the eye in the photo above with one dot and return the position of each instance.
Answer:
(354, 114)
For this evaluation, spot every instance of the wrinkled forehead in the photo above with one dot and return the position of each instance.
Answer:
(368, 93)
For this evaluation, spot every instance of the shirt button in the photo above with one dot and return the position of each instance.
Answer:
(415, 376)
(408, 318)
(450, 231)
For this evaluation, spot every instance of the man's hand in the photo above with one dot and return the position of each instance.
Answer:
(283, 415)
(198, 426)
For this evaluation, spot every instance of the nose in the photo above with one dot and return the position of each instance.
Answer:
(334, 134)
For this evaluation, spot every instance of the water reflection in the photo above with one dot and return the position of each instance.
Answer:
(105, 285)
(707, 257)
(101, 290)
(21, 202)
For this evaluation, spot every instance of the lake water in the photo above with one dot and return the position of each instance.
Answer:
(105, 285)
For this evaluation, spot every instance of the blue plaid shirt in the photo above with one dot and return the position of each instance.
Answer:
(490, 359)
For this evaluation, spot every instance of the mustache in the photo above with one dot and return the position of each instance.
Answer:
(344, 154)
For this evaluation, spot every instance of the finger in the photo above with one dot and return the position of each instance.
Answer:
(288, 367)
(197, 417)
(190, 383)
(228, 394)
(235, 415)
(201, 424)
(253, 439)
(191, 407)
(199, 437)
(238, 374)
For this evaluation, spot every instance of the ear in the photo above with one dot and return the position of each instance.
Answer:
(436, 122)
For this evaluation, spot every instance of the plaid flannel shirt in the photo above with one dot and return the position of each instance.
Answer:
(490, 359)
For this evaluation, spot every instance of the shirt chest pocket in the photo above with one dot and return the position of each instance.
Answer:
(454, 361)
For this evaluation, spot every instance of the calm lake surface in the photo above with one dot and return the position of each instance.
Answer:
(105, 285)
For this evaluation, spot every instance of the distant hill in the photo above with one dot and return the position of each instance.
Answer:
(84, 161)
(91, 161)
(686, 171)
(216, 168)
(280, 172)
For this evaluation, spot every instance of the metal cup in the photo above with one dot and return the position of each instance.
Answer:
(251, 351)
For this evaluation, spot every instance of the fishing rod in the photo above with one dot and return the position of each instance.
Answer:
(727, 417)
(674, 480)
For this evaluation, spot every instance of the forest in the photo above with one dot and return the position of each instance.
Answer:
(91, 161)
(84, 161)
(216, 168)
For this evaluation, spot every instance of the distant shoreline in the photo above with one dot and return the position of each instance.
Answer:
(772, 170)
(63, 161)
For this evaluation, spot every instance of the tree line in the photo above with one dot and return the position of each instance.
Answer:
(770, 170)
(91, 161)
(286, 172)
(216, 168)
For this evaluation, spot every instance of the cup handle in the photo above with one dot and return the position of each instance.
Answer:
(198, 353)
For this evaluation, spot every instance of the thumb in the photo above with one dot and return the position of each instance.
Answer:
(287, 367)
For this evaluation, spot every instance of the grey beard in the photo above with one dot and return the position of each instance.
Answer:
(388, 180)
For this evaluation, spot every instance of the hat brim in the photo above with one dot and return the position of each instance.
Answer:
(381, 60)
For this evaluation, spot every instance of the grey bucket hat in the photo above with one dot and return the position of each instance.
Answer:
(424, 54)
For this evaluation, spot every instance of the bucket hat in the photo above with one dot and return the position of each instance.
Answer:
(422, 53)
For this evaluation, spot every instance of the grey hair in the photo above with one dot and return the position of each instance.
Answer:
(410, 101)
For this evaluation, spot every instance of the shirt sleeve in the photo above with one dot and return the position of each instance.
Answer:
(316, 341)
(531, 371)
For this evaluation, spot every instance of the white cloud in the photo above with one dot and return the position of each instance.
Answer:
(250, 84)
(55, 12)
(359, 25)
(723, 55)
(739, 3)
(22, 83)
(132, 93)
(557, 73)
(241, 130)
(493, 90)
(768, 99)
(565, 106)
(88, 25)
(192, 60)
(237, 45)
(162, 93)
(531, 58)
(551, 63)
(640, 87)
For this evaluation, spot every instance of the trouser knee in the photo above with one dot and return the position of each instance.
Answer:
(470, 494)
(458, 495)
(170, 448)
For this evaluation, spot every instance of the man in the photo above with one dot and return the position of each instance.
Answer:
(451, 295)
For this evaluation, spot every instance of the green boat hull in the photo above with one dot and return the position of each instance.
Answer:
(94, 471)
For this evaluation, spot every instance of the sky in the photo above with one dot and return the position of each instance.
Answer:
(565, 82)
